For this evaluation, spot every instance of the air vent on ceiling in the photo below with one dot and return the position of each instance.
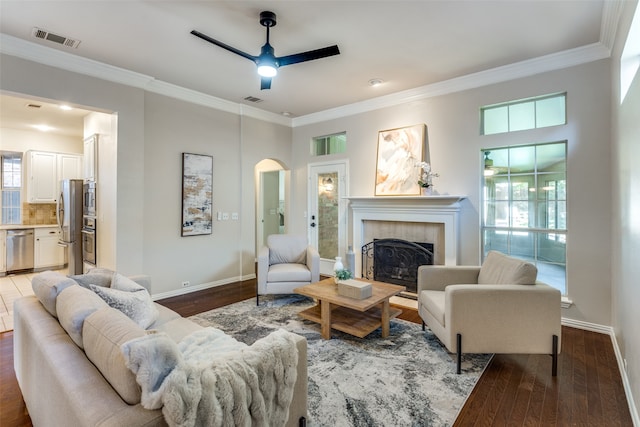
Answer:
(39, 33)
(252, 99)
(31, 105)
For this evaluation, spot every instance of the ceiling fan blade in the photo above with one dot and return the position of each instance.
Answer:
(265, 83)
(308, 56)
(224, 46)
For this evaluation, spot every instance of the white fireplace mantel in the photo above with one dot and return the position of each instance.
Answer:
(439, 209)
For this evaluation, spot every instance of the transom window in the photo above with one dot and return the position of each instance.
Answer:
(530, 113)
(525, 206)
(329, 144)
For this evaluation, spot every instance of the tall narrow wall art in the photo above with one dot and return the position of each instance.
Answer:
(197, 181)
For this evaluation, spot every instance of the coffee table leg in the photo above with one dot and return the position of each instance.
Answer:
(385, 318)
(325, 319)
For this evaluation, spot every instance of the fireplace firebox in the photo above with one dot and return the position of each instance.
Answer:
(396, 261)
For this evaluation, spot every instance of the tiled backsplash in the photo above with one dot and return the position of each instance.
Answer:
(38, 213)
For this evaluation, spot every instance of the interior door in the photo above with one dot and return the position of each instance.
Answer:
(328, 211)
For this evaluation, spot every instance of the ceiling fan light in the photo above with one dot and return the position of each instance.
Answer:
(267, 70)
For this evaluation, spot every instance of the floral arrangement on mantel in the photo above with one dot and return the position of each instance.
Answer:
(427, 175)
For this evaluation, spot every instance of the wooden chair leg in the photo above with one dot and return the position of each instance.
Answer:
(459, 353)
(554, 356)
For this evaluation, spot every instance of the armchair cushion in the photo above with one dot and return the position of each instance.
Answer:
(289, 273)
(434, 302)
(500, 269)
(284, 249)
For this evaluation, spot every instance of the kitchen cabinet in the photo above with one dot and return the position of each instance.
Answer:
(91, 158)
(3, 249)
(69, 166)
(47, 252)
(45, 170)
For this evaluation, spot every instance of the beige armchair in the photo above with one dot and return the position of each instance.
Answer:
(496, 308)
(286, 262)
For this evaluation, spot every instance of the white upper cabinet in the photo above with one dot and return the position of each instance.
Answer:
(69, 166)
(91, 158)
(45, 170)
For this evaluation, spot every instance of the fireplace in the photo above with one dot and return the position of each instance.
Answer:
(433, 219)
(396, 261)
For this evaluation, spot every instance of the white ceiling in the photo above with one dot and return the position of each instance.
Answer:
(407, 44)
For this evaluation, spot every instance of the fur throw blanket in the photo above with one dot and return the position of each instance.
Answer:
(210, 379)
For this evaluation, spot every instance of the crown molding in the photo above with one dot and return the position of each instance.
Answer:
(24, 49)
(611, 13)
(34, 52)
(551, 62)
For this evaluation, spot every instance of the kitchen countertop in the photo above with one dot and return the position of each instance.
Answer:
(25, 226)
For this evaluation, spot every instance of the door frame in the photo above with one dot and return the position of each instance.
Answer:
(342, 167)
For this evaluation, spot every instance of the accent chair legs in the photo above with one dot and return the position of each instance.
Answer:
(554, 356)
(423, 325)
(257, 299)
(458, 353)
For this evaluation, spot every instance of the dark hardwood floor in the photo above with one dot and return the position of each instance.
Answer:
(514, 390)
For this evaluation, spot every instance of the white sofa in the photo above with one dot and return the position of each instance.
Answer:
(80, 377)
(498, 307)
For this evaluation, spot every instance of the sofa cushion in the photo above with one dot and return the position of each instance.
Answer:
(499, 269)
(103, 333)
(288, 273)
(287, 248)
(433, 301)
(137, 305)
(47, 286)
(96, 276)
(178, 328)
(74, 304)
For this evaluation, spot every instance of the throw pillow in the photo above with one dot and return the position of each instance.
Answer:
(123, 283)
(137, 305)
(96, 276)
(73, 305)
(500, 269)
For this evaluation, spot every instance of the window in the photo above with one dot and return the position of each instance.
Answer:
(11, 167)
(525, 206)
(630, 59)
(531, 113)
(329, 144)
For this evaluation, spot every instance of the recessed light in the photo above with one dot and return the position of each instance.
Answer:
(286, 113)
(66, 107)
(375, 82)
(43, 128)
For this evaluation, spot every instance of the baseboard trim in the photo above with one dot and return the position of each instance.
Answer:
(608, 330)
(201, 287)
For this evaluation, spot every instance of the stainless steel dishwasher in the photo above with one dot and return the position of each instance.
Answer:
(19, 250)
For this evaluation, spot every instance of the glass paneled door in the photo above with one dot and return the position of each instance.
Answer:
(327, 216)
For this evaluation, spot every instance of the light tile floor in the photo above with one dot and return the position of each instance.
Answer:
(13, 287)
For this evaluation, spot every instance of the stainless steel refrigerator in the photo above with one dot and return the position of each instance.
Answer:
(69, 208)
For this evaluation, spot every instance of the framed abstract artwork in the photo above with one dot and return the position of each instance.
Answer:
(399, 152)
(197, 181)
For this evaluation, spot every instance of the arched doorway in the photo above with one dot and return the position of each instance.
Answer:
(272, 199)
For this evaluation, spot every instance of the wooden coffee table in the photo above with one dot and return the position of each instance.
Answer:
(352, 316)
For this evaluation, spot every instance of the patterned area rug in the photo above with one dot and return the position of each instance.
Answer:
(407, 379)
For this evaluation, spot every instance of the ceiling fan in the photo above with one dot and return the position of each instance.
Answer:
(267, 62)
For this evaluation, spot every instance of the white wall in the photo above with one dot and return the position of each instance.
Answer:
(626, 217)
(23, 140)
(455, 144)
